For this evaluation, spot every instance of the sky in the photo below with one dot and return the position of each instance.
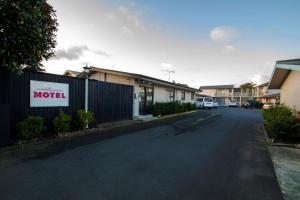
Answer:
(205, 42)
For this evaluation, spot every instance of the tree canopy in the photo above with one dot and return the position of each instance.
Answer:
(248, 85)
(27, 34)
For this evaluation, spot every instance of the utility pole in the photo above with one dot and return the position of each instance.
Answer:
(169, 72)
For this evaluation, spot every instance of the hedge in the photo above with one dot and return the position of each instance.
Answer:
(167, 108)
(281, 123)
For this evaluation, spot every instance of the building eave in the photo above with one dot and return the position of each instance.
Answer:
(281, 72)
(155, 81)
(217, 87)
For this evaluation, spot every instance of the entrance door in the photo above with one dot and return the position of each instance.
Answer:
(145, 99)
(221, 101)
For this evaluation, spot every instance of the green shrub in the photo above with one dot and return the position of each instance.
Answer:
(281, 123)
(189, 106)
(155, 109)
(167, 108)
(30, 128)
(83, 118)
(62, 122)
(194, 107)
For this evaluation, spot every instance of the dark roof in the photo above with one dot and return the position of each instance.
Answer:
(217, 87)
(202, 95)
(147, 78)
(76, 73)
(289, 62)
(271, 95)
(281, 72)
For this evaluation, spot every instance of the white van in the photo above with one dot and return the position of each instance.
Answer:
(233, 103)
(205, 102)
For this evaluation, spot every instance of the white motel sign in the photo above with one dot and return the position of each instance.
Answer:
(48, 94)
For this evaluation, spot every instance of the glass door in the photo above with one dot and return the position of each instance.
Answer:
(145, 99)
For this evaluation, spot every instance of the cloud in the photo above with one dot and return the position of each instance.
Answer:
(126, 18)
(229, 48)
(126, 31)
(100, 53)
(166, 66)
(110, 16)
(130, 16)
(223, 34)
(149, 50)
(259, 78)
(72, 53)
(75, 52)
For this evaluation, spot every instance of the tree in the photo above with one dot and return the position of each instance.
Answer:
(247, 85)
(27, 33)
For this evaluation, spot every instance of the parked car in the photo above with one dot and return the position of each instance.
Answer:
(252, 104)
(233, 103)
(216, 104)
(205, 102)
(267, 106)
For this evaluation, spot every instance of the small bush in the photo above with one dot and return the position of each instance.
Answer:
(62, 122)
(83, 118)
(30, 128)
(188, 106)
(194, 107)
(281, 123)
(167, 108)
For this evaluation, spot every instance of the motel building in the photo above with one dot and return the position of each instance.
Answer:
(286, 77)
(146, 90)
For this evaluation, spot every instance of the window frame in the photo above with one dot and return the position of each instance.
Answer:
(182, 96)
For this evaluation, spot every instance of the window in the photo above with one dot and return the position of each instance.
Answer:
(171, 95)
(182, 95)
(192, 95)
(199, 99)
(207, 99)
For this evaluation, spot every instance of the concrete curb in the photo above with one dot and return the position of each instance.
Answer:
(44, 143)
(271, 142)
(174, 115)
(276, 166)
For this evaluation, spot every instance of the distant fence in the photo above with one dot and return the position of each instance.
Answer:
(108, 101)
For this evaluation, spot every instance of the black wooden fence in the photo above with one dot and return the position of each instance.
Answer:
(108, 101)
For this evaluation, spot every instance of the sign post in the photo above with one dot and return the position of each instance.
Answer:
(86, 70)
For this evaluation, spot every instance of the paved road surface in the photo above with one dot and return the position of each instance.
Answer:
(221, 158)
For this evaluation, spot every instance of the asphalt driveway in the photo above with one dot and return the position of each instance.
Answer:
(221, 158)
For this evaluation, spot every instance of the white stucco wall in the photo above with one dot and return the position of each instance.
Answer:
(188, 97)
(290, 90)
(160, 94)
(135, 101)
(178, 95)
(112, 78)
(208, 92)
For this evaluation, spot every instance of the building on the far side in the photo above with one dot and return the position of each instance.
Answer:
(225, 93)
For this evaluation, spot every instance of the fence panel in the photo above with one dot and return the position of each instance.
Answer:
(108, 101)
